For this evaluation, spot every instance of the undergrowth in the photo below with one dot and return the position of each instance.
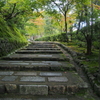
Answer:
(91, 61)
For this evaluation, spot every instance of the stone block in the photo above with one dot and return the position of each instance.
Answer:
(52, 99)
(6, 73)
(14, 99)
(33, 79)
(83, 86)
(44, 55)
(15, 61)
(2, 89)
(26, 73)
(11, 88)
(72, 89)
(34, 89)
(57, 89)
(38, 64)
(19, 63)
(50, 74)
(9, 78)
(2, 63)
(57, 79)
(52, 62)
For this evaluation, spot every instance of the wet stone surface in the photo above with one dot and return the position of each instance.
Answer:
(50, 74)
(26, 73)
(52, 62)
(9, 78)
(33, 79)
(57, 79)
(34, 89)
(6, 73)
(19, 63)
(11, 88)
(15, 61)
(3, 63)
(44, 55)
(39, 64)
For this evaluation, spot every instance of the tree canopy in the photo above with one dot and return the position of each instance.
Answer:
(45, 17)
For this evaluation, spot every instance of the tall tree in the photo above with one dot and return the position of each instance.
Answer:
(88, 16)
(63, 7)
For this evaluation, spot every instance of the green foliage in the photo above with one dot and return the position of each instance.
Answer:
(4, 29)
(10, 32)
(10, 38)
(90, 61)
(1, 4)
(80, 40)
(56, 37)
(92, 65)
(96, 44)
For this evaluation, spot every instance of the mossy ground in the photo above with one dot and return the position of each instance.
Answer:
(85, 95)
(91, 61)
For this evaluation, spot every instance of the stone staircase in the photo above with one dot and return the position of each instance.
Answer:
(41, 68)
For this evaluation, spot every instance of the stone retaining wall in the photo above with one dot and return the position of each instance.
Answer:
(7, 47)
(95, 86)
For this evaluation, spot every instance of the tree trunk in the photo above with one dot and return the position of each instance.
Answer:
(99, 59)
(66, 26)
(89, 45)
(99, 51)
(71, 37)
(98, 77)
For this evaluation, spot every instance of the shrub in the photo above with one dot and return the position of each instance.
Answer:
(56, 37)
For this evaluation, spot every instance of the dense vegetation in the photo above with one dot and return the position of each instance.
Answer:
(11, 37)
(55, 37)
(76, 22)
(82, 16)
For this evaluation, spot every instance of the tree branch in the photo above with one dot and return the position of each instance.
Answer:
(11, 14)
(79, 22)
(13, 8)
(58, 6)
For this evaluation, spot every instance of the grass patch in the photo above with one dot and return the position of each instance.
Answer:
(74, 47)
(91, 61)
(85, 95)
(91, 65)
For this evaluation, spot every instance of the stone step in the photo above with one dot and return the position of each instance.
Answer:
(40, 48)
(37, 57)
(49, 97)
(41, 83)
(42, 44)
(47, 46)
(39, 74)
(36, 65)
(38, 51)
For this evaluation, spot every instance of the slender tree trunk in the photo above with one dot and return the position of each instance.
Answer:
(99, 59)
(89, 45)
(66, 26)
(80, 19)
(98, 77)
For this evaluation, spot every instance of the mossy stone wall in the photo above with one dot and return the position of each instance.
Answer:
(7, 46)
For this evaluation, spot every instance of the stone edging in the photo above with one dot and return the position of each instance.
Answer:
(95, 87)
